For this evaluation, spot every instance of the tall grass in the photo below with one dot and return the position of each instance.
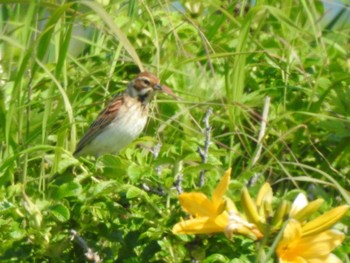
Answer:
(61, 62)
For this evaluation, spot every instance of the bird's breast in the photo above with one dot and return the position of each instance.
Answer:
(125, 127)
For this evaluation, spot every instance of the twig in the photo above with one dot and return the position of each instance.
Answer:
(156, 150)
(262, 130)
(204, 152)
(158, 191)
(89, 253)
(179, 177)
(261, 136)
(254, 179)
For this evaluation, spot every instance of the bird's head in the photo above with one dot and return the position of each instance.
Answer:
(145, 85)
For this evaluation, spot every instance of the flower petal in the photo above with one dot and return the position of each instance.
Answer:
(294, 260)
(299, 203)
(286, 248)
(221, 188)
(202, 225)
(325, 221)
(292, 231)
(320, 245)
(316, 248)
(197, 204)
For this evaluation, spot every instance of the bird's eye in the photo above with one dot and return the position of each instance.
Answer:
(146, 82)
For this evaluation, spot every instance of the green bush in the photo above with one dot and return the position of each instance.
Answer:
(61, 61)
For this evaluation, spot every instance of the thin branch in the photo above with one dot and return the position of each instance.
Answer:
(89, 253)
(179, 177)
(155, 150)
(264, 120)
(158, 191)
(204, 152)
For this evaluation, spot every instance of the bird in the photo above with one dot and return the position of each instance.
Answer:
(123, 119)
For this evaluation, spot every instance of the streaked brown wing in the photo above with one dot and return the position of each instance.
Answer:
(103, 119)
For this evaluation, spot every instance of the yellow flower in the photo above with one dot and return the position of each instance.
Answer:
(210, 216)
(213, 216)
(313, 241)
(298, 248)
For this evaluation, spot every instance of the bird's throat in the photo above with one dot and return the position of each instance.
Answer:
(143, 98)
(146, 98)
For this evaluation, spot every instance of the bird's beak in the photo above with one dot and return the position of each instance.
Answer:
(158, 87)
(167, 90)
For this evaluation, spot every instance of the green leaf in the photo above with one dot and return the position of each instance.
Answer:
(215, 258)
(67, 189)
(133, 192)
(60, 212)
(103, 188)
(66, 162)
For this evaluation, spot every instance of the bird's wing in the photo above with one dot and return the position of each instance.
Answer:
(103, 119)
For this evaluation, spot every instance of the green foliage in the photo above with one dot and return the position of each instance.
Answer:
(62, 60)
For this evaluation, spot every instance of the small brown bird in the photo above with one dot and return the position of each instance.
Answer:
(123, 119)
